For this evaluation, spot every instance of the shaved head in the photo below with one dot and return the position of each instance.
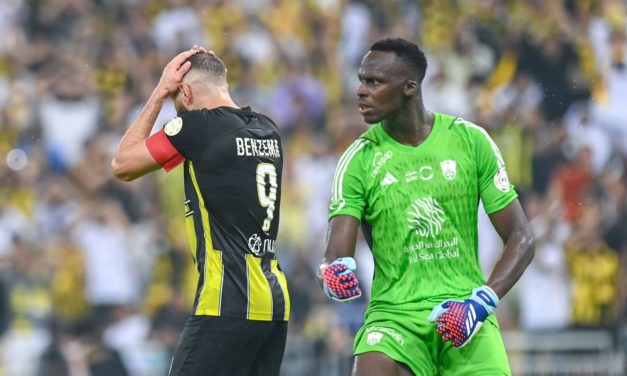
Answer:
(206, 68)
(204, 85)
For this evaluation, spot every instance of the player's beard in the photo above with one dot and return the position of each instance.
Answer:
(180, 108)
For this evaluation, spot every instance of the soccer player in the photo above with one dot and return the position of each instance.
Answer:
(413, 182)
(232, 177)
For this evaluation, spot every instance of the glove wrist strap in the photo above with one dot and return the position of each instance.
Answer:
(487, 296)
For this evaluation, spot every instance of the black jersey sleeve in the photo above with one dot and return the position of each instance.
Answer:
(190, 134)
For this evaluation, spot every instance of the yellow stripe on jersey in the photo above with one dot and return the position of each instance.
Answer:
(191, 231)
(211, 293)
(259, 293)
(283, 282)
(211, 290)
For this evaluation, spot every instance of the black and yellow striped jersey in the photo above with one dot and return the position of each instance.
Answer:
(233, 162)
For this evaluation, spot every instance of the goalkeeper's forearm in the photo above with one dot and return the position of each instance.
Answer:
(341, 240)
(514, 230)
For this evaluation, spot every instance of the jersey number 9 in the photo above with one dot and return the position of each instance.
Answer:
(266, 175)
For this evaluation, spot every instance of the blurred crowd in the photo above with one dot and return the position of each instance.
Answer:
(95, 274)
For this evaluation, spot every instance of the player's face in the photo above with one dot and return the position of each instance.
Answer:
(380, 95)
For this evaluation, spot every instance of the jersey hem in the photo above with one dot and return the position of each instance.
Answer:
(258, 316)
(353, 214)
(499, 206)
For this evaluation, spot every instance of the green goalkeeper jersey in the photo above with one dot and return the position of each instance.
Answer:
(418, 208)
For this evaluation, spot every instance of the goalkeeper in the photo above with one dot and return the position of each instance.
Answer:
(413, 182)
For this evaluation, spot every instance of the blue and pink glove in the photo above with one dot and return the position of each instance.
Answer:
(340, 280)
(459, 321)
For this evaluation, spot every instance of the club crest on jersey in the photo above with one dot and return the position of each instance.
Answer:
(174, 126)
(374, 338)
(449, 169)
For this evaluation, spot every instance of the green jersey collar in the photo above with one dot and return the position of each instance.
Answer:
(377, 135)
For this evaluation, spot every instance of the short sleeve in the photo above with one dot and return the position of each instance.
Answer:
(188, 133)
(163, 152)
(348, 193)
(494, 187)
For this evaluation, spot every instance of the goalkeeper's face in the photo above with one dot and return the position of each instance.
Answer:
(381, 94)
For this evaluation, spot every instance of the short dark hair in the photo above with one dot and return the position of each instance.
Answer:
(407, 51)
(208, 63)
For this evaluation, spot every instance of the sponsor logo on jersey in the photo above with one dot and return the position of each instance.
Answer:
(423, 173)
(437, 249)
(379, 331)
(260, 247)
(173, 127)
(439, 255)
(254, 147)
(449, 169)
(411, 176)
(388, 179)
(501, 181)
(426, 217)
(379, 160)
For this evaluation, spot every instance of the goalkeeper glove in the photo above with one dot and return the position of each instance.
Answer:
(340, 281)
(459, 321)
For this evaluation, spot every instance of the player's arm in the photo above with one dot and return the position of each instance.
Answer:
(132, 158)
(341, 238)
(337, 270)
(459, 321)
(519, 247)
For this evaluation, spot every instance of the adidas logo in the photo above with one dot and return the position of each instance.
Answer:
(388, 179)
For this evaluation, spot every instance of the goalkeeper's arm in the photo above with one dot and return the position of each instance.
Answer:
(459, 321)
(519, 247)
(336, 273)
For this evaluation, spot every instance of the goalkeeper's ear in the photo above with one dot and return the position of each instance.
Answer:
(411, 86)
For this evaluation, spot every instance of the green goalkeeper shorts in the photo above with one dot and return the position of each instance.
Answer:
(409, 338)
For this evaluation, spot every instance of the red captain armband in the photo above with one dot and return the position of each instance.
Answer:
(163, 152)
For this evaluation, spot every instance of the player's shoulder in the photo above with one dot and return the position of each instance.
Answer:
(367, 142)
(370, 139)
(233, 117)
(262, 117)
(356, 149)
(193, 116)
(466, 127)
(355, 154)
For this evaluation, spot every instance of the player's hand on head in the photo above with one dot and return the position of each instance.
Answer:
(340, 282)
(459, 321)
(175, 70)
(201, 49)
